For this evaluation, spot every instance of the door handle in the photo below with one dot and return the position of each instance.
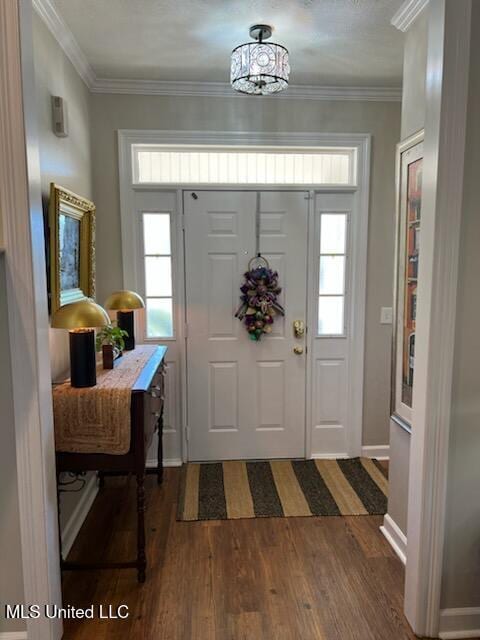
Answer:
(298, 351)
(298, 328)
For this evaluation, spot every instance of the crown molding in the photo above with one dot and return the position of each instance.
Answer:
(407, 14)
(47, 10)
(224, 90)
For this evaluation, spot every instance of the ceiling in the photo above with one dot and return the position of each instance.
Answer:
(331, 42)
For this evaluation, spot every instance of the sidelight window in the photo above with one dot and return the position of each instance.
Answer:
(157, 257)
(332, 268)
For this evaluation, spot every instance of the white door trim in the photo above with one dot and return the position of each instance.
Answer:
(446, 101)
(23, 239)
(360, 142)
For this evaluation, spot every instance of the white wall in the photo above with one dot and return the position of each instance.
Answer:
(413, 119)
(66, 161)
(461, 570)
(11, 573)
(113, 112)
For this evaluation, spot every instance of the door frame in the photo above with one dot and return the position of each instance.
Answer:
(360, 142)
(22, 242)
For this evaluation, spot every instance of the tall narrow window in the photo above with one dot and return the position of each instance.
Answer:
(158, 275)
(331, 287)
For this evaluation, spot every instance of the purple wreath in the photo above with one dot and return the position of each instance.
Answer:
(259, 301)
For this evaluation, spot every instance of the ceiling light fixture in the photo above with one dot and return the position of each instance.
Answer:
(258, 68)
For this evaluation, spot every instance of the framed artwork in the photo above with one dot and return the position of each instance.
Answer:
(72, 247)
(407, 249)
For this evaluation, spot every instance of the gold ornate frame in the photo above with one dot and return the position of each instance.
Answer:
(64, 202)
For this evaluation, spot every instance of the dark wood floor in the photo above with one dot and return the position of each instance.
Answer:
(327, 578)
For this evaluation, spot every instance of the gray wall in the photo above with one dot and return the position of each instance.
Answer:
(413, 119)
(414, 74)
(11, 574)
(113, 112)
(66, 161)
(461, 572)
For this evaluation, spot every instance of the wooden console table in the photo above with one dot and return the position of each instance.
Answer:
(146, 416)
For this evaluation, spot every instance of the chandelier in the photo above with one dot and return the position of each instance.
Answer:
(259, 68)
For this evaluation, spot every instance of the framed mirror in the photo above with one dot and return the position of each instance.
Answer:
(407, 250)
(72, 247)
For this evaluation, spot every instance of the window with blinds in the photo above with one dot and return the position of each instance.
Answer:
(158, 164)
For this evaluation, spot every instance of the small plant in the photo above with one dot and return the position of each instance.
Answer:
(111, 335)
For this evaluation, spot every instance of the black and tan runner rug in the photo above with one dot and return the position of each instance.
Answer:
(282, 488)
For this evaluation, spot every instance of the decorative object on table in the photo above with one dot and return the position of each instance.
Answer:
(259, 297)
(111, 341)
(259, 68)
(124, 303)
(409, 204)
(81, 318)
(72, 247)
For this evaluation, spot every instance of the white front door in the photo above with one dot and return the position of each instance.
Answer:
(245, 399)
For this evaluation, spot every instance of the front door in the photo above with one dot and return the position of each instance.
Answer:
(246, 399)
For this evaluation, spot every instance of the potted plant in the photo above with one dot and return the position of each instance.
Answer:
(111, 341)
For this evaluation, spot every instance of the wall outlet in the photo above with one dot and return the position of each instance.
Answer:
(386, 315)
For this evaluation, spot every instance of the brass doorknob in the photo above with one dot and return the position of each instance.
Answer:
(298, 350)
(298, 328)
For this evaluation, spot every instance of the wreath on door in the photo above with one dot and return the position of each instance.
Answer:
(260, 292)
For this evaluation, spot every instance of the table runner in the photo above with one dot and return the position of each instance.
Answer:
(97, 419)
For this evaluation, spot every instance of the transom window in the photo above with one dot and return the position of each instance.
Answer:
(157, 257)
(331, 286)
(163, 164)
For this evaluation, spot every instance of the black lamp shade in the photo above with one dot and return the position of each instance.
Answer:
(83, 371)
(125, 320)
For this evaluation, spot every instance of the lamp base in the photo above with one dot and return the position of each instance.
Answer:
(83, 372)
(125, 321)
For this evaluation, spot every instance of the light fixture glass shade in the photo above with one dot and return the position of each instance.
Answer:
(85, 314)
(259, 68)
(124, 300)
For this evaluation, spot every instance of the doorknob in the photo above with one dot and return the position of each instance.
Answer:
(298, 328)
(298, 350)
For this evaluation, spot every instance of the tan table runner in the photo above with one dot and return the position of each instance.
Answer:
(97, 419)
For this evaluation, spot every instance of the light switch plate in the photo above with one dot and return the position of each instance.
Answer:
(386, 315)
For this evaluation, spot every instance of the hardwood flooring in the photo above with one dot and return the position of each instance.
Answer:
(331, 578)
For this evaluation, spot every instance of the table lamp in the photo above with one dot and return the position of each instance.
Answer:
(124, 302)
(81, 318)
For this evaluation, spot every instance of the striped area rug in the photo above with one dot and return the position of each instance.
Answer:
(282, 488)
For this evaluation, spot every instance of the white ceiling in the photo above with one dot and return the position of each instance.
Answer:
(331, 42)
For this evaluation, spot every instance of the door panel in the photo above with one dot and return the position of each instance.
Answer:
(245, 399)
(330, 353)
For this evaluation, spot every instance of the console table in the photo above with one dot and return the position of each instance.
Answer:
(146, 416)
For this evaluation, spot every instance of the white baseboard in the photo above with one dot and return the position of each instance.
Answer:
(460, 623)
(74, 523)
(328, 456)
(13, 635)
(395, 536)
(380, 452)
(168, 462)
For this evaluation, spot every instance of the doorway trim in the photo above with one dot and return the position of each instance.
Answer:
(23, 242)
(444, 153)
(361, 142)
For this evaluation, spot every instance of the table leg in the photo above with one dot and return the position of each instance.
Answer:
(160, 449)
(141, 557)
